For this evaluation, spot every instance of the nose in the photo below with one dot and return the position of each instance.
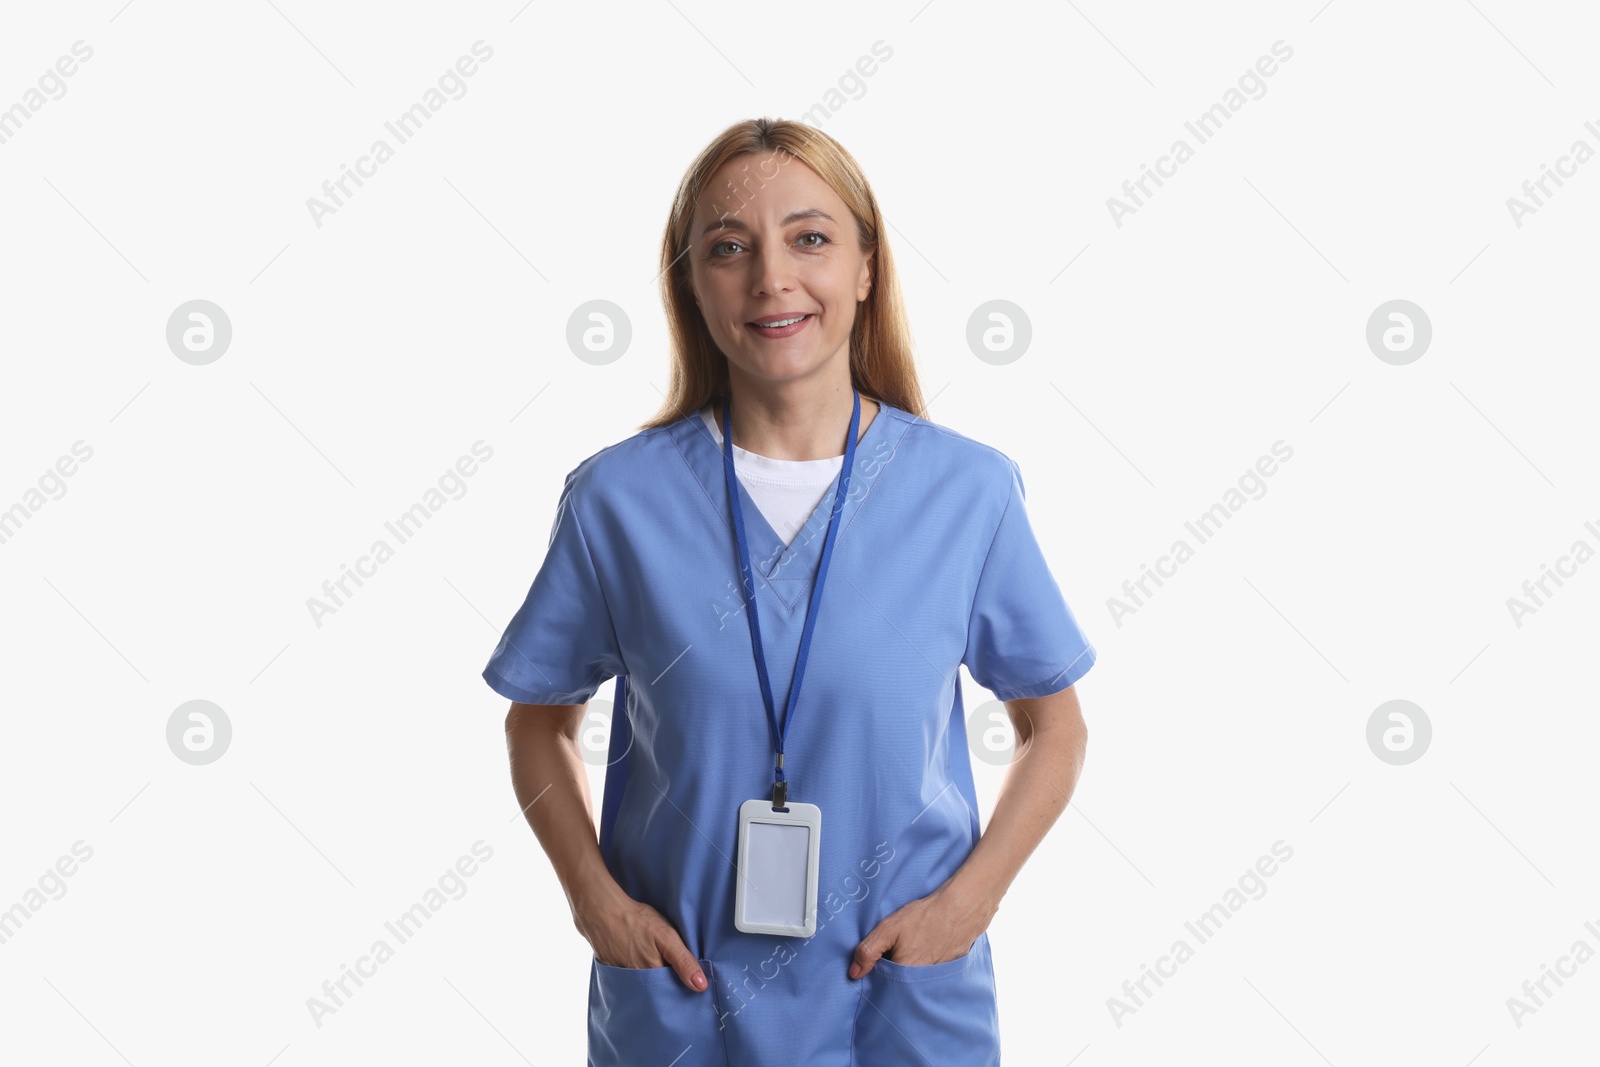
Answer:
(775, 272)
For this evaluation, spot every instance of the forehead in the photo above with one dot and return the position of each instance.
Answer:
(762, 188)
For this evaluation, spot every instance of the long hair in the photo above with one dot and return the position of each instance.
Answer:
(881, 362)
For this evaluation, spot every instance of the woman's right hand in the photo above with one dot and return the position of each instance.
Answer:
(627, 933)
(551, 783)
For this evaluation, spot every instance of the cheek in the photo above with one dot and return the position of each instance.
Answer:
(716, 303)
(841, 299)
(841, 285)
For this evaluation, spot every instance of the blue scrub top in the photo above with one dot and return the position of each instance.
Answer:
(935, 565)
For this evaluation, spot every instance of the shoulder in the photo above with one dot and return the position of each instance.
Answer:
(622, 471)
(967, 464)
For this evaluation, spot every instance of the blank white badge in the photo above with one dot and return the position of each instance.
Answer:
(779, 854)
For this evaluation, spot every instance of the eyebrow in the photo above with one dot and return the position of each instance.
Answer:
(730, 223)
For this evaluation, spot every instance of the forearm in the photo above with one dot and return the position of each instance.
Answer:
(1036, 789)
(552, 788)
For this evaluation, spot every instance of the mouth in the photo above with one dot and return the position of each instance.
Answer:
(779, 325)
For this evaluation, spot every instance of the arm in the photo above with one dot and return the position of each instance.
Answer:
(1051, 741)
(552, 787)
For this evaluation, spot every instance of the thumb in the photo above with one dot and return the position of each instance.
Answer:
(682, 961)
(867, 953)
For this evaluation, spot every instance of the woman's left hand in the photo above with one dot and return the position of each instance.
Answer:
(933, 929)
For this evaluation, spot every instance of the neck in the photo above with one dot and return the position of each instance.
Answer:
(794, 420)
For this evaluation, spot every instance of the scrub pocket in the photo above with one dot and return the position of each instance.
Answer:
(647, 1017)
(940, 1015)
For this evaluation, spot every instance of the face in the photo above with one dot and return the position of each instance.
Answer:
(770, 241)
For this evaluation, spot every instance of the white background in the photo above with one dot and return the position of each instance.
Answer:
(1168, 354)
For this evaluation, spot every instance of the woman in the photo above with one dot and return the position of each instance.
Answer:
(790, 348)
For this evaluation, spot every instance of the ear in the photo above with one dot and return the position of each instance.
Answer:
(864, 286)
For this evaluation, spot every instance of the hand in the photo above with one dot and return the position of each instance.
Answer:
(627, 933)
(939, 927)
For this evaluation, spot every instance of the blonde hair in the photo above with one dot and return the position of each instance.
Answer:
(882, 366)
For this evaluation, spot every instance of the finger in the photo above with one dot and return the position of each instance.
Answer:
(683, 962)
(866, 955)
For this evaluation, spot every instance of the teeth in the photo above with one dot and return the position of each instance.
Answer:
(780, 323)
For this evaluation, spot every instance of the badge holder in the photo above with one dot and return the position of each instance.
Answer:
(779, 857)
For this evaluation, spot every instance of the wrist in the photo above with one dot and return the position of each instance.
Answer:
(975, 892)
(593, 895)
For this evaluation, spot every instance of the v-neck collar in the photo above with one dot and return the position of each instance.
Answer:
(786, 569)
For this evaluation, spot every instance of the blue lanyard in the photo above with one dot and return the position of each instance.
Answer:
(780, 785)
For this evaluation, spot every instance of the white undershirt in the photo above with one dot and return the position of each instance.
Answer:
(786, 490)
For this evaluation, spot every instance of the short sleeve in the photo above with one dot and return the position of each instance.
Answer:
(1022, 638)
(560, 646)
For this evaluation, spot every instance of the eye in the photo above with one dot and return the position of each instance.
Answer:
(821, 239)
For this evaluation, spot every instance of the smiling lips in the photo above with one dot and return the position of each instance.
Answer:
(780, 325)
